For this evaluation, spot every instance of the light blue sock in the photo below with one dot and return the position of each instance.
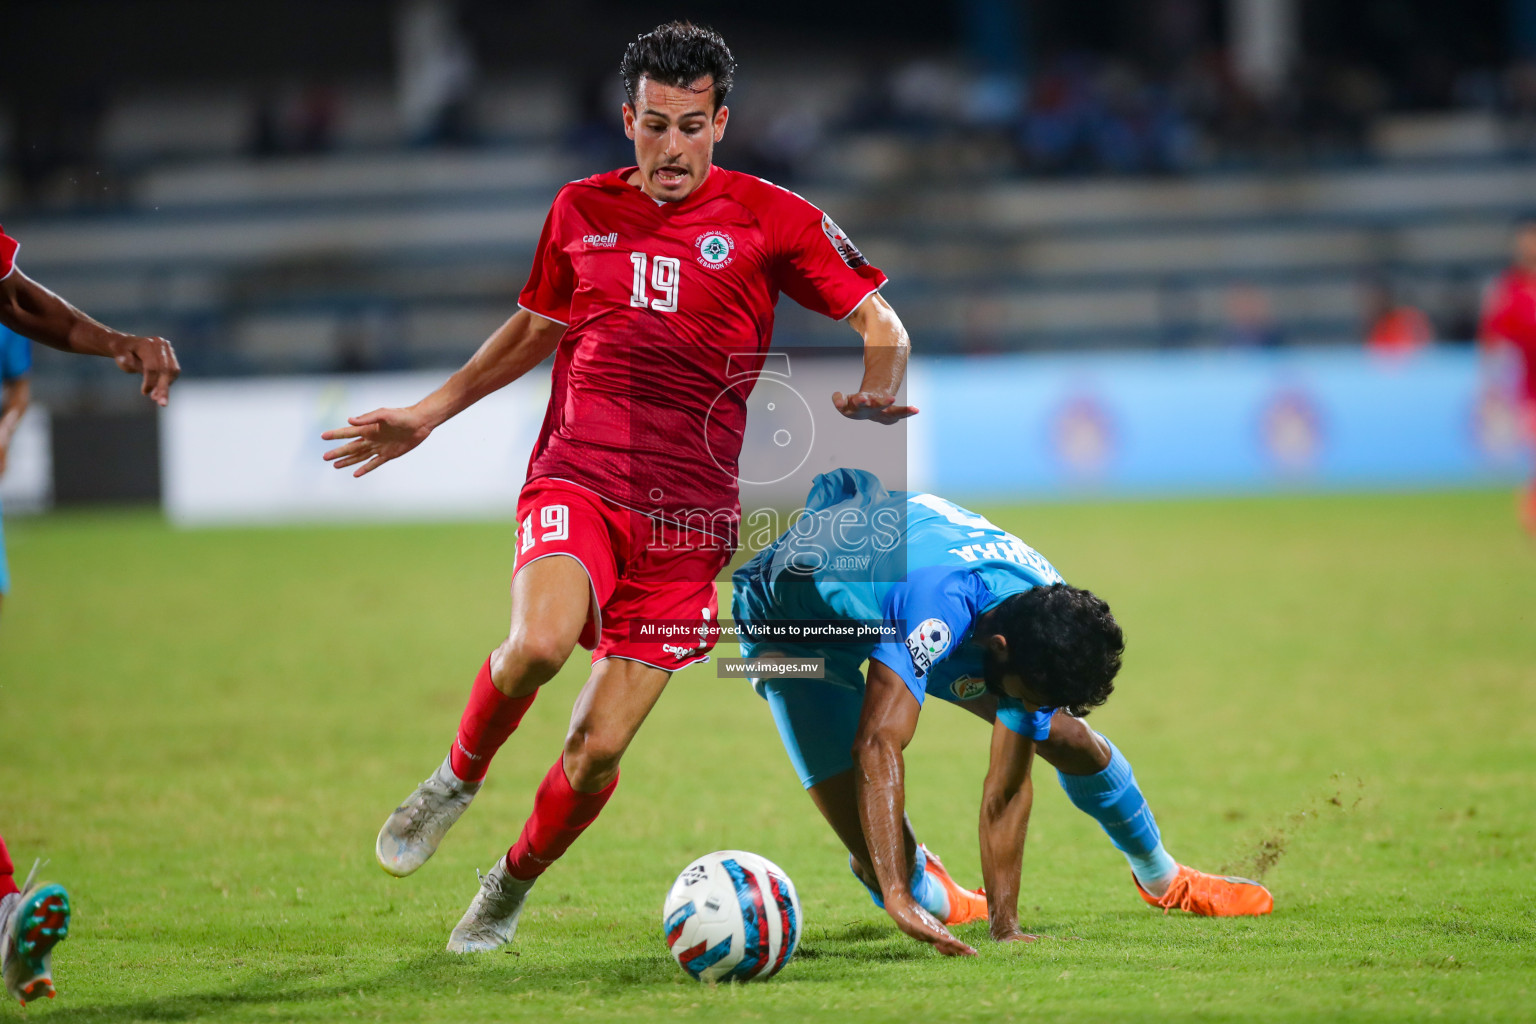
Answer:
(1115, 802)
(925, 890)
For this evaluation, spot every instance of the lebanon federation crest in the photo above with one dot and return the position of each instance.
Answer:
(716, 249)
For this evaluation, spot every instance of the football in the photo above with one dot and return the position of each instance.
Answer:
(732, 916)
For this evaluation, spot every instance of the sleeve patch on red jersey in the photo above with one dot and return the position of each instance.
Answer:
(843, 244)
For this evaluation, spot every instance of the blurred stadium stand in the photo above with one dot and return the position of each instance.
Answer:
(1080, 186)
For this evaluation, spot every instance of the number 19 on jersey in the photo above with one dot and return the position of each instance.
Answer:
(666, 274)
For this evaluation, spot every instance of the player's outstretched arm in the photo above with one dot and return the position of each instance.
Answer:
(33, 311)
(376, 437)
(886, 347)
(886, 725)
(1006, 799)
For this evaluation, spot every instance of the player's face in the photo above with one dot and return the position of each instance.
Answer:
(1525, 247)
(675, 131)
(1002, 679)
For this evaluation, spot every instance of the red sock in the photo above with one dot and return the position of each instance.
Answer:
(7, 871)
(489, 718)
(560, 814)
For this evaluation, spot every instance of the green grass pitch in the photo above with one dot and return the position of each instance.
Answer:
(204, 730)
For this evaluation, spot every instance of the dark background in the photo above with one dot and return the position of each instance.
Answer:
(188, 41)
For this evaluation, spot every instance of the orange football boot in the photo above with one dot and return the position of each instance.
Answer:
(965, 905)
(1212, 895)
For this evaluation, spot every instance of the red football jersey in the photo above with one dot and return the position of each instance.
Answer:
(8, 247)
(657, 298)
(1510, 315)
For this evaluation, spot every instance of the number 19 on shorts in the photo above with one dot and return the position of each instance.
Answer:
(554, 524)
(665, 275)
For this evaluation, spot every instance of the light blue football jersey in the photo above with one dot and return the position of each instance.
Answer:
(911, 560)
(15, 355)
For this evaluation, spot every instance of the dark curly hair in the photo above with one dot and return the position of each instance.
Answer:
(678, 54)
(1064, 643)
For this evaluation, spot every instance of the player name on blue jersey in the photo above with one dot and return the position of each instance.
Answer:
(919, 563)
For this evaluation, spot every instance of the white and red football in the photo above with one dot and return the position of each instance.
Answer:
(732, 916)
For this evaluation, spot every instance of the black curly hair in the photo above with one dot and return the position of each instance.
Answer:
(1063, 642)
(678, 53)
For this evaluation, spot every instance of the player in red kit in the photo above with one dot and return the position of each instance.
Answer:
(652, 285)
(1509, 318)
(34, 917)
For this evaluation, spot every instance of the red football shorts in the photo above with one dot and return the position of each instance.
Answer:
(641, 572)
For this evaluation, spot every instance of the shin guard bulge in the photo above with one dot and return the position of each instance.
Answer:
(489, 718)
(1113, 799)
(560, 814)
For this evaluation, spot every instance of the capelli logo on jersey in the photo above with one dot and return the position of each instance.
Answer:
(607, 241)
(716, 249)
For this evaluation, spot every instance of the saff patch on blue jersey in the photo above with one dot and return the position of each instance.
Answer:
(926, 644)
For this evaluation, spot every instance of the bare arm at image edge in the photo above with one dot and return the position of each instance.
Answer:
(34, 312)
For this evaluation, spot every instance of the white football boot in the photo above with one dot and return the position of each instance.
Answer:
(32, 922)
(410, 835)
(491, 920)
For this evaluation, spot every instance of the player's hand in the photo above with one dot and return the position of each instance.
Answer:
(377, 437)
(871, 405)
(153, 357)
(911, 918)
(5, 450)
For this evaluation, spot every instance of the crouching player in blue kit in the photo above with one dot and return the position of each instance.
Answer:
(982, 620)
